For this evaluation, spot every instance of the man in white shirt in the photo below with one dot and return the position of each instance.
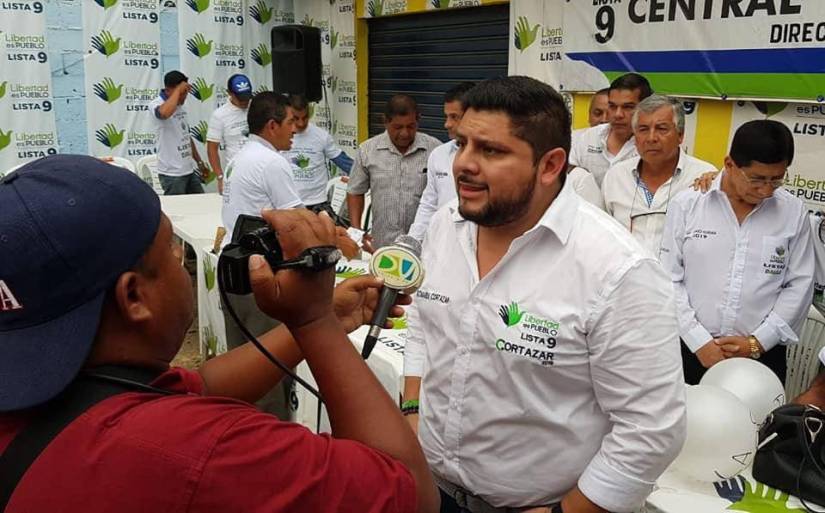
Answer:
(180, 168)
(312, 148)
(228, 126)
(600, 147)
(740, 257)
(440, 187)
(637, 191)
(596, 113)
(259, 178)
(543, 381)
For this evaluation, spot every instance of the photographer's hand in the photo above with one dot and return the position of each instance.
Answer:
(295, 297)
(355, 300)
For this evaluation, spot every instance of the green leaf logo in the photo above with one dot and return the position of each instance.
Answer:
(511, 315)
(105, 43)
(261, 55)
(441, 4)
(762, 499)
(209, 274)
(302, 161)
(335, 127)
(106, 3)
(201, 90)
(107, 90)
(199, 46)
(198, 132)
(345, 271)
(307, 21)
(375, 7)
(109, 136)
(333, 83)
(311, 110)
(3, 89)
(5, 138)
(211, 341)
(524, 35)
(333, 39)
(260, 12)
(399, 323)
(198, 5)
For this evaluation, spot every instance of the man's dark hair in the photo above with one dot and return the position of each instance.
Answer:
(264, 106)
(400, 105)
(604, 91)
(764, 141)
(298, 102)
(538, 114)
(632, 82)
(457, 93)
(173, 78)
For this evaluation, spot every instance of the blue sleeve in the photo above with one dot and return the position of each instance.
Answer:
(343, 162)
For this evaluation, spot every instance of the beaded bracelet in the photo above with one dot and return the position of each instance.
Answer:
(409, 407)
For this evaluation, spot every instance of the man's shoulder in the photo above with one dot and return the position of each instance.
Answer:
(443, 150)
(374, 142)
(621, 171)
(428, 141)
(593, 135)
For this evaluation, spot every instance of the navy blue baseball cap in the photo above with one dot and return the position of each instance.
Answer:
(70, 226)
(240, 86)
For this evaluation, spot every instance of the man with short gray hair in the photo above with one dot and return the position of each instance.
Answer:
(637, 191)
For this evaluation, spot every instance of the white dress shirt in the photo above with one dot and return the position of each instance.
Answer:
(738, 280)
(258, 177)
(585, 185)
(625, 197)
(589, 150)
(440, 188)
(551, 371)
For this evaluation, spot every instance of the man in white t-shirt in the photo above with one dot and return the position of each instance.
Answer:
(440, 187)
(228, 126)
(600, 147)
(637, 191)
(180, 168)
(312, 148)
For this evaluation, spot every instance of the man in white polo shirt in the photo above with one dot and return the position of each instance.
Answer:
(740, 257)
(312, 148)
(440, 188)
(637, 191)
(180, 168)
(600, 147)
(228, 126)
(542, 379)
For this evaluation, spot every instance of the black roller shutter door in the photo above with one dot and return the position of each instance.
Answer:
(425, 54)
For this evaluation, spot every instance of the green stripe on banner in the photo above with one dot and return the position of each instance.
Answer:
(800, 86)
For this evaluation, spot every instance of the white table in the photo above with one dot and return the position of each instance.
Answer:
(195, 219)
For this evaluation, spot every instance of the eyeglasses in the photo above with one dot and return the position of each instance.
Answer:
(758, 182)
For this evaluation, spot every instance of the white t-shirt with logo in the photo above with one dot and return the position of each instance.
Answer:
(311, 149)
(257, 178)
(174, 141)
(228, 126)
(589, 150)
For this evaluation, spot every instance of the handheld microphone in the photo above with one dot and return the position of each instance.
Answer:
(400, 267)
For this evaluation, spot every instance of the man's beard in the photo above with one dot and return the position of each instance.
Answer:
(498, 212)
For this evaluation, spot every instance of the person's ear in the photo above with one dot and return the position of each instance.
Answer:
(551, 165)
(131, 298)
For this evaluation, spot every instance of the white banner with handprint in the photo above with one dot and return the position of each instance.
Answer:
(27, 128)
(211, 50)
(122, 38)
(536, 40)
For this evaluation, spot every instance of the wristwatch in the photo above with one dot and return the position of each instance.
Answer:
(556, 509)
(754, 347)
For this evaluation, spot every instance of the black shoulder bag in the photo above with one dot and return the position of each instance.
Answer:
(88, 389)
(791, 454)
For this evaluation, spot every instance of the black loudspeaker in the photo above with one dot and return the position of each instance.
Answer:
(296, 61)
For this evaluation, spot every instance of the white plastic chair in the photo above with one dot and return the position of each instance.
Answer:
(147, 170)
(337, 193)
(803, 357)
(120, 162)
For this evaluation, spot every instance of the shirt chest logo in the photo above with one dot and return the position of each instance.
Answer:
(527, 335)
(594, 149)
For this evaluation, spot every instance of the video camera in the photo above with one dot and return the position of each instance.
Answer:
(253, 236)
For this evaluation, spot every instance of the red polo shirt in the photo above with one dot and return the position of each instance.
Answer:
(139, 452)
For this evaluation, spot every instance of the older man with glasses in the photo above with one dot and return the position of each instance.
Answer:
(637, 191)
(741, 257)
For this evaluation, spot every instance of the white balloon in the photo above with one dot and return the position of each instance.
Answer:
(752, 382)
(721, 439)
